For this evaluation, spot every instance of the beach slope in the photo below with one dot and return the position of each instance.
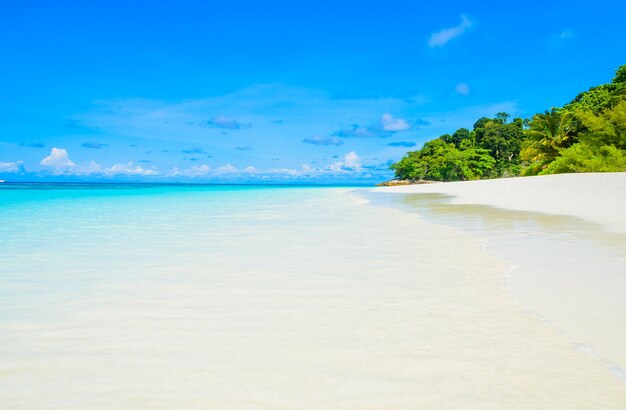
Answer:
(594, 197)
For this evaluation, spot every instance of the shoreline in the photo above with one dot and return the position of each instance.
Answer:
(595, 197)
(569, 262)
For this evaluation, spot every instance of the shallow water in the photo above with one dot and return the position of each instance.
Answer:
(237, 297)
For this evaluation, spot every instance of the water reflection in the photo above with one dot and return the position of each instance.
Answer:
(498, 223)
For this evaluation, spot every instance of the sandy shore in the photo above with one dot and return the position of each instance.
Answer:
(595, 197)
(565, 235)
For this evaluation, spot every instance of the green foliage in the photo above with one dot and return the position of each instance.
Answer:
(586, 135)
(480, 163)
(549, 133)
(582, 157)
(595, 100)
(441, 161)
(503, 141)
(501, 118)
(620, 75)
(460, 135)
(609, 128)
(602, 97)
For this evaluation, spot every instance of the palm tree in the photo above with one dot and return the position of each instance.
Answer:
(548, 134)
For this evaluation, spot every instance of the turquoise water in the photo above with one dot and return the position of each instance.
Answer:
(60, 240)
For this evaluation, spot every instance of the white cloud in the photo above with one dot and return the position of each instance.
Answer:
(336, 166)
(58, 158)
(11, 167)
(306, 170)
(250, 170)
(441, 38)
(128, 169)
(462, 89)
(394, 124)
(227, 169)
(350, 163)
(92, 168)
(195, 171)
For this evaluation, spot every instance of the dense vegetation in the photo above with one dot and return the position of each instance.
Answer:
(586, 135)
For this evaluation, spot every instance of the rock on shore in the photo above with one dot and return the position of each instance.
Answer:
(399, 182)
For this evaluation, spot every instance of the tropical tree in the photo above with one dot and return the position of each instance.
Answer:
(582, 157)
(460, 135)
(503, 141)
(549, 133)
(441, 161)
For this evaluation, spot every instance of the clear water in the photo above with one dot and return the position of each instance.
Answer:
(263, 297)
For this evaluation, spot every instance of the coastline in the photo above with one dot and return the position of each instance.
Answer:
(565, 235)
(595, 197)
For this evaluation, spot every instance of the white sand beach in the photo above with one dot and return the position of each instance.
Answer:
(595, 197)
(570, 271)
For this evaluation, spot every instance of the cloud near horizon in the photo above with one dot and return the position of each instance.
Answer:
(351, 162)
(193, 172)
(441, 38)
(58, 158)
(11, 167)
(128, 169)
(227, 169)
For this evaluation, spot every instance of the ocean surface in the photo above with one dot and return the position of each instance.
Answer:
(158, 296)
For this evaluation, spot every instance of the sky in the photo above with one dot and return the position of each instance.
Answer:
(269, 91)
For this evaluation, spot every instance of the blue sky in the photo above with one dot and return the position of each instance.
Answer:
(278, 91)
